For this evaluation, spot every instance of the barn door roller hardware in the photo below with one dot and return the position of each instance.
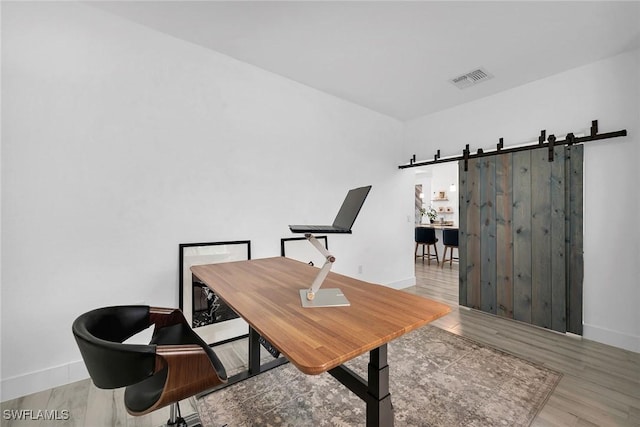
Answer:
(543, 141)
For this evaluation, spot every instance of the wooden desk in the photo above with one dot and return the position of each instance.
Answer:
(264, 292)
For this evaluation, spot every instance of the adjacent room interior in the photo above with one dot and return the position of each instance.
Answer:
(140, 139)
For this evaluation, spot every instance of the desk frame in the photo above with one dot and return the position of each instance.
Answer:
(375, 391)
(254, 367)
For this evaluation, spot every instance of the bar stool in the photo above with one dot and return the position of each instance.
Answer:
(450, 241)
(426, 237)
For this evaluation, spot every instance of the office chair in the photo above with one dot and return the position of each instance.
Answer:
(426, 237)
(450, 241)
(175, 365)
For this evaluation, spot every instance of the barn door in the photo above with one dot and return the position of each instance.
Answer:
(521, 236)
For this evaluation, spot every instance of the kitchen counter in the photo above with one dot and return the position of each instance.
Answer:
(438, 226)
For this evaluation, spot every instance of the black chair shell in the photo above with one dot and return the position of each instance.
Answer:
(111, 364)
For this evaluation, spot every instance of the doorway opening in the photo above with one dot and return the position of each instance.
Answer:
(436, 209)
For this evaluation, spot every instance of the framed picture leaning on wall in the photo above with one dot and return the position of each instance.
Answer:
(206, 313)
(300, 249)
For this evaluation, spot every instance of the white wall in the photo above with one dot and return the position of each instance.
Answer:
(607, 91)
(119, 143)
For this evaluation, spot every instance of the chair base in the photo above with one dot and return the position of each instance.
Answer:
(191, 420)
(177, 420)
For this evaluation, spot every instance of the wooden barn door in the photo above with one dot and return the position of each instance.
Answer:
(521, 236)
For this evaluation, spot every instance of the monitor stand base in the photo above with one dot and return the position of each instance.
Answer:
(331, 297)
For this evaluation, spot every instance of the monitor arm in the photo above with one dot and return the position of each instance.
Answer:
(324, 271)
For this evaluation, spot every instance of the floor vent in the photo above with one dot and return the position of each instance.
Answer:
(472, 78)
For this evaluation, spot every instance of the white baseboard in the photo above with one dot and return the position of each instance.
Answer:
(614, 338)
(33, 382)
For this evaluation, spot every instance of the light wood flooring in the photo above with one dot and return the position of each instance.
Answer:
(600, 384)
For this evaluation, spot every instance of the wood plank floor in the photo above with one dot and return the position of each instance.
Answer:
(600, 384)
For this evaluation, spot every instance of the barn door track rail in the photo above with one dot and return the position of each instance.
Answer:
(543, 141)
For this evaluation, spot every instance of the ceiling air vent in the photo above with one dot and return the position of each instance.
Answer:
(470, 79)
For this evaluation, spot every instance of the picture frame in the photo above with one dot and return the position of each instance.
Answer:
(206, 313)
(300, 249)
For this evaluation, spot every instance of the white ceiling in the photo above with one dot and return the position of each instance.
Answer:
(397, 57)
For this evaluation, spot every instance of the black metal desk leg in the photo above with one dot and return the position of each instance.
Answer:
(379, 408)
(254, 352)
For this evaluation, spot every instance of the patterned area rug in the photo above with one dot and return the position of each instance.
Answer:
(436, 379)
